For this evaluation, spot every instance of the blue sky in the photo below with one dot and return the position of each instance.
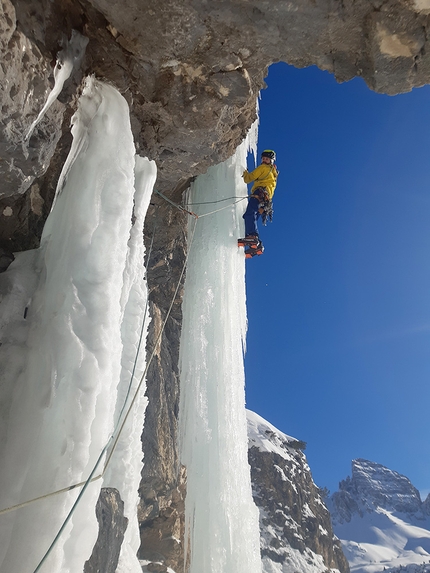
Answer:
(339, 304)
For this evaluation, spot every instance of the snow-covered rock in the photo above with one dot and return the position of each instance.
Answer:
(411, 568)
(373, 485)
(380, 519)
(295, 528)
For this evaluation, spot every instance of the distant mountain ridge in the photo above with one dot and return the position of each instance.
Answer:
(373, 485)
(380, 519)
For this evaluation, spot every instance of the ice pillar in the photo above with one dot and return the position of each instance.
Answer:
(221, 518)
(67, 366)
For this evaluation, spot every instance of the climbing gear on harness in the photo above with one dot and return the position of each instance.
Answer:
(265, 207)
(266, 212)
(261, 194)
(270, 154)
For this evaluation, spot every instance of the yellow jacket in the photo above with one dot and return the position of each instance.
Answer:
(263, 176)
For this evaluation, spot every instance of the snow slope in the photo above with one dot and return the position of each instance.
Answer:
(264, 436)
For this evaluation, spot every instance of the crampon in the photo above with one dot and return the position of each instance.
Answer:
(253, 246)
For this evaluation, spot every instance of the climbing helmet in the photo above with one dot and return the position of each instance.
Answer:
(270, 154)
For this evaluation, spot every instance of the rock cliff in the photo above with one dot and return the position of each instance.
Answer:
(191, 72)
(296, 531)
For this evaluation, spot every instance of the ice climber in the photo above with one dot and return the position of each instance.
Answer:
(259, 202)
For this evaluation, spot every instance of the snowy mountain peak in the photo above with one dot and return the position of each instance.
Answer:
(380, 519)
(267, 438)
(373, 485)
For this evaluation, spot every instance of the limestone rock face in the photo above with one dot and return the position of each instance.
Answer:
(24, 84)
(295, 525)
(112, 525)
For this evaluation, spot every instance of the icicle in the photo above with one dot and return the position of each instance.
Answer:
(67, 58)
(221, 518)
(90, 100)
(252, 137)
(125, 467)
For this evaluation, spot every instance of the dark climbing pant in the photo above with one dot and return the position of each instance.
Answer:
(251, 216)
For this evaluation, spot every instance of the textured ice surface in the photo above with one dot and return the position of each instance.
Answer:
(67, 365)
(221, 517)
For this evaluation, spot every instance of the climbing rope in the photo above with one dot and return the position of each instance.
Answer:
(217, 201)
(140, 339)
(156, 341)
(91, 478)
(181, 208)
(222, 208)
(78, 499)
(176, 204)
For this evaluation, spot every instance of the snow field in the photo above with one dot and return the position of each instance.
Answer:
(384, 538)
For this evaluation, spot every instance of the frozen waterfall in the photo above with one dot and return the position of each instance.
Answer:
(221, 518)
(73, 318)
(74, 314)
